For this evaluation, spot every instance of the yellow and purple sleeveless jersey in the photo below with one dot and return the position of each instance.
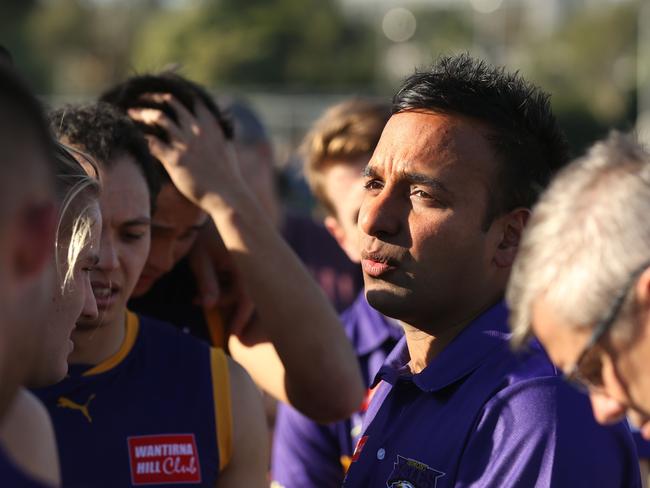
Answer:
(155, 413)
(14, 477)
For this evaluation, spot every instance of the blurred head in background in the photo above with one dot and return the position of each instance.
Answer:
(28, 210)
(335, 151)
(255, 156)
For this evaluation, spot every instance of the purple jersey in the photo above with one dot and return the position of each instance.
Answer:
(306, 453)
(156, 413)
(14, 477)
(479, 415)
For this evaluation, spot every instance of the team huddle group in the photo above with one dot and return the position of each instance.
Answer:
(151, 289)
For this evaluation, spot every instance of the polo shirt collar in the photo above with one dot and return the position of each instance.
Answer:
(463, 355)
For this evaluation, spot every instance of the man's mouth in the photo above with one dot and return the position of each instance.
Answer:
(105, 294)
(376, 264)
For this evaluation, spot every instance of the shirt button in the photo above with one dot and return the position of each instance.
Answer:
(381, 454)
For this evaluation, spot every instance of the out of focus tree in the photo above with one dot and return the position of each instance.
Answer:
(14, 36)
(84, 44)
(282, 44)
(589, 65)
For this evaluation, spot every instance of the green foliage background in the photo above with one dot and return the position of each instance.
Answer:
(76, 48)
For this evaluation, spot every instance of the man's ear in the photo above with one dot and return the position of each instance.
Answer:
(33, 243)
(334, 228)
(511, 229)
(642, 291)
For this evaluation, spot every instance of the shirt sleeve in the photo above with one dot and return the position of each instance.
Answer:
(305, 454)
(542, 433)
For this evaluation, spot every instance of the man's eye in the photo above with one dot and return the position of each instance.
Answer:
(420, 194)
(132, 236)
(373, 185)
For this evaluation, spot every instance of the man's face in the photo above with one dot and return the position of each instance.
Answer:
(425, 257)
(68, 303)
(27, 225)
(343, 185)
(174, 229)
(622, 365)
(124, 244)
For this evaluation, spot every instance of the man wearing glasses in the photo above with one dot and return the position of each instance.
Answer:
(581, 282)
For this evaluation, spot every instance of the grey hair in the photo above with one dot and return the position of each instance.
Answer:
(588, 233)
(77, 191)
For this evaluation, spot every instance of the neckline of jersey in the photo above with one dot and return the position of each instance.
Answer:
(132, 327)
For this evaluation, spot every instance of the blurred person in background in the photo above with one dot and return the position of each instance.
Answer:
(291, 312)
(183, 410)
(339, 277)
(581, 282)
(448, 193)
(335, 151)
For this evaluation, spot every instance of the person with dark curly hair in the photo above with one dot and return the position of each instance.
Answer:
(447, 194)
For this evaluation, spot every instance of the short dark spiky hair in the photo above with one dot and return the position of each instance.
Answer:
(129, 94)
(105, 134)
(523, 130)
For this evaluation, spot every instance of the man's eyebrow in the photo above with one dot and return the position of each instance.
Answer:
(418, 178)
(429, 181)
(369, 172)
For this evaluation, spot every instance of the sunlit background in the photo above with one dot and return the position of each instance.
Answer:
(292, 58)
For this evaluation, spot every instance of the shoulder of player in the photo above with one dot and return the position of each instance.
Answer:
(27, 436)
(246, 401)
(250, 455)
(242, 388)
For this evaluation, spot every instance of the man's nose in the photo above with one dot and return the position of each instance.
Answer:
(380, 215)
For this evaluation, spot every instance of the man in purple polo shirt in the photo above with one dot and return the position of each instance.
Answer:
(448, 192)
(335, 151)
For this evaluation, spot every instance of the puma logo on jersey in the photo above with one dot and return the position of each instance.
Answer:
(67, 403)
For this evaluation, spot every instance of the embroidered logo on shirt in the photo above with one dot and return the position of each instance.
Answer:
(64, 402)
(409, 473)
(166, 459)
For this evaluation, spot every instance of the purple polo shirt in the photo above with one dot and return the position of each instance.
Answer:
(479, 415)
(306, 453)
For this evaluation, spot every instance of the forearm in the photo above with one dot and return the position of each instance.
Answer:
(292, 309)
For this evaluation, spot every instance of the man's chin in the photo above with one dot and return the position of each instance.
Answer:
(390, 302)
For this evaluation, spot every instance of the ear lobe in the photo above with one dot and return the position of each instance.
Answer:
(334, 228)
(642, 291)
(512, 230)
